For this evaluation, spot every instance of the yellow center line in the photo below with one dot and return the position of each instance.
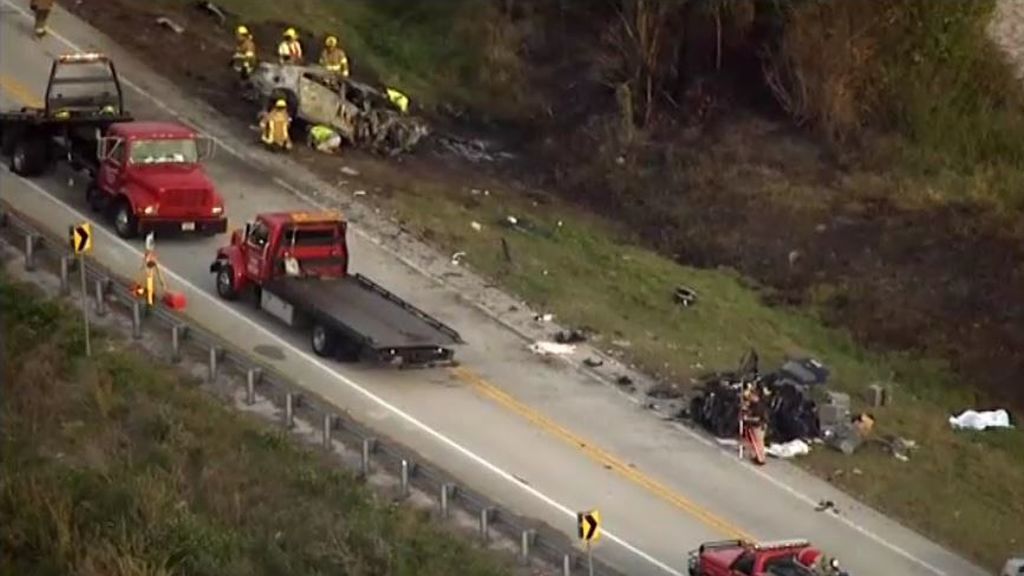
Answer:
(23, 94)
(599, 455)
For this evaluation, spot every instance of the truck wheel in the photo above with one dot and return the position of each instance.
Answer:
(125, 223)
(226, 282)
(94, 197)
(324, 340)
(29, 156)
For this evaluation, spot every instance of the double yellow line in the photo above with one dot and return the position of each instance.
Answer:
(19, 91)
(598, 454)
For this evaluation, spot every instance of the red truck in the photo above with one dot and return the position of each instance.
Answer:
(147, 176)
(295, 266)
(742, 558)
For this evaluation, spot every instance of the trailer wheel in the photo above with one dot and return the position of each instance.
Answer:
(226, 282)
(324, 340)
(28, 157)
(125, 223)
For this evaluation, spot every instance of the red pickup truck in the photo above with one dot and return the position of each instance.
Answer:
(741, 558)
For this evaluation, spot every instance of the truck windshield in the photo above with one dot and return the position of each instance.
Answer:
(165, 151)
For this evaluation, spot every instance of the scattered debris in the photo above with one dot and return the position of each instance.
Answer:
(170, 25)
(973, 420)
(570, 336)
(551, 348)
(544, 317)
(506, 251)
(685, 296)
(457, 258)
(824, 505)
(622, 343)
(624, 381)
(213, 10)
(349, 171)
(359, 193)
(476, 192)
(789, 449)
(664, 391)
(474, 150)
(476, 226)
(591, 362)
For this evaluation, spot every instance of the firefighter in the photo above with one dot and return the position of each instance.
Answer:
(41, 9)
(754, 420)
(244, 58)
(275, 125)
(324, 139)
(289, 51)
(151, 274)
(333, 58)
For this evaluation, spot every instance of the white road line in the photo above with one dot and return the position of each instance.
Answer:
(242, 156)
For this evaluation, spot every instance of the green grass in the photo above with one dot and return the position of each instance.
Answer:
(118, 466)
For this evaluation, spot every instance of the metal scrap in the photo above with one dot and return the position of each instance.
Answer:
(213, 10)
(170, 25)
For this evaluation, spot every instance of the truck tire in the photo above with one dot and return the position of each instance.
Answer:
(324, 340)
(125, 223)
(94, 197)
(29, 156)
(226, 282)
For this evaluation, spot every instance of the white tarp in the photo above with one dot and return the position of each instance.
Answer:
(789, 449)
(552, 348)
(973, 420)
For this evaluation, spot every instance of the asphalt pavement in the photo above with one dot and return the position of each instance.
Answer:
(540, 438)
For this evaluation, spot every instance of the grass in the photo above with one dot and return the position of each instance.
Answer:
(115, 466)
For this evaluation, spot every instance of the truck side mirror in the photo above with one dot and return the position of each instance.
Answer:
(106, 147)
(247, 231)
(205, 148)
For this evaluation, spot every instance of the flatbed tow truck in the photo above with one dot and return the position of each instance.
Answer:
(295, 266)
(146, 176)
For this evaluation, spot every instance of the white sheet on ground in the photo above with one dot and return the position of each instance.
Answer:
(789, 449)
(548, 348)
(973, 420)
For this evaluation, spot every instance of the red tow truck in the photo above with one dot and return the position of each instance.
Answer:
(742, 558)
(295, 266)
(147, 176)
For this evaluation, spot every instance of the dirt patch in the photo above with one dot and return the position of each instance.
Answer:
(944, 280)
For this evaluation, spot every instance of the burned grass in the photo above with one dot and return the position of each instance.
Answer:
(117, 465)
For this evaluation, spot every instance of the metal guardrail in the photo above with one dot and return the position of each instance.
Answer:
(537, 541)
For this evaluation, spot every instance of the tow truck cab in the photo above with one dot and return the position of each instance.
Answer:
(151, 178)
(741, 558)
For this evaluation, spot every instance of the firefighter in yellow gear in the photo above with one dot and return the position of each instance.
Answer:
(333, 58)
(401, 101)
(244, 58)
(275, 125)
(151, 274)
(289, 51)
(41, 10)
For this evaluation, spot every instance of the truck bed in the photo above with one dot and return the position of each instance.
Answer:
(365, 310)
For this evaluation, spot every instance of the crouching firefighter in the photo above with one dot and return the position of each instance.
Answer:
(754, 420)
(275, 125)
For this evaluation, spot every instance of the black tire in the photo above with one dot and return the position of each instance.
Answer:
(29, 156)
(324, 340)
(94, 197)
(125, 223)
(226, 288)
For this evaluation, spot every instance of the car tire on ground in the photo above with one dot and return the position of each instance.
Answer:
(125, 223)
(324, 340)
(29, 156)
(226, 282)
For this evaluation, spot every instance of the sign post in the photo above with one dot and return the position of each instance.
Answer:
(81, 244)
(589, 530)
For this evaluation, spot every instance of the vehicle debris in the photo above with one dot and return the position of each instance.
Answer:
(170, 25)
(349, 171)
(974, 420)
(570, 336)
(473, 150)
(213, 10)
(552, 348)
(789, 449)
(685, 296)
(476, 226)
(543, 317)
(591, 362)
(457, 258)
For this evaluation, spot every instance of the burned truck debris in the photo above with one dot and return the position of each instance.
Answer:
(361, 114)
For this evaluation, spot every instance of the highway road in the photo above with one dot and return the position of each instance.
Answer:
(541, 438)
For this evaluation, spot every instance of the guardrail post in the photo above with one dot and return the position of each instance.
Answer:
(485, 517)
(252, 376)
(30, 251)
(328, 427)
(368, 446)
(101, 300)
(525, 541)
(65, 268)
(447, 491)
(215, 354)
(178, 332)
(136, 319)
(567, 565)
(405, 478)
(289, 410)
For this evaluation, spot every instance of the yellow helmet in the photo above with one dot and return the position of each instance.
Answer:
(331, 42)
(291, 34)
(242, 31)
(280, 103)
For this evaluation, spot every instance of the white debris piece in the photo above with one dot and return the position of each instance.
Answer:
(973, 420)
(476, 226)
(552, 348)
(349, 171)
(789, 449)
